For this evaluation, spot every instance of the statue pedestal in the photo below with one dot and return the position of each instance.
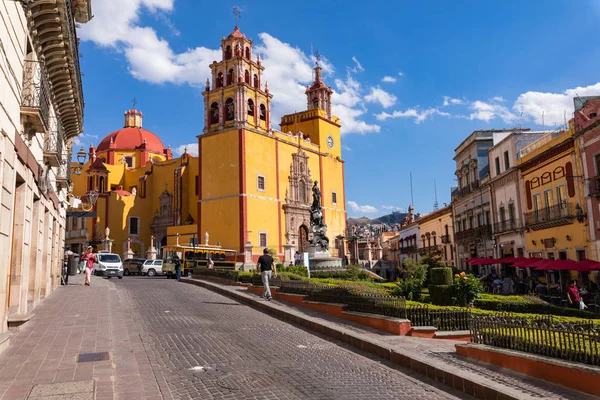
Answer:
(128, 254)
(320, 260)
(151, 253)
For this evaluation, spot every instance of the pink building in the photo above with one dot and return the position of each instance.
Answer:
(587, 136)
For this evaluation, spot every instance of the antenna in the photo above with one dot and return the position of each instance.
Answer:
(311, 52)
(543, 125)
(435, 203)
(317, 57)
(566, 126)
(411, 191)
(134, 101)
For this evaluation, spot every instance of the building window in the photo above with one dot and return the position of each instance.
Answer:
(561, 198)
(262, 239)
(230, 76)
(213, 114)
(260, 183)
(581, 255)
(248, 53)
(263, 112)
(334, 197)
(487, 217)
(134, 225)
(90, 183)
(74, 222)
(502, 214)
(506, 161)
(219, 80)
(250, 107)
(228, 52)
(497, 161)
(101, 184)
(511, 212)
(229, 109)
(129, 161)
(256, 81)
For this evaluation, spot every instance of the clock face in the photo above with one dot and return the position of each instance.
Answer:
(330, 142)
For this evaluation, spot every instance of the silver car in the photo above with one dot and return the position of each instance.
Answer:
(153, 268)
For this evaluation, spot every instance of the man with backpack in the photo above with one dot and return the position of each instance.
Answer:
(267, 268)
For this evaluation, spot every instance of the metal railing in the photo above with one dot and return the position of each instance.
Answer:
(445, 239)
(64, 170)
(558, 214)
(74, 43)
(443, 320)
(509, 225)
(466, 189)
(36, 91)
(430, 249)
(573, 342)
(408, 249)
(53, 142)
(484, 231)
(594, 187)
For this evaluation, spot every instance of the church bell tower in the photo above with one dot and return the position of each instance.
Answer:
(234, 98)
(318, 94)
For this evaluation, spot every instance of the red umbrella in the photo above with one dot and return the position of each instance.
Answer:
(588, 265)
(558, 265)
(485, 261)
(526, 262)
(542, 264)
(471, 260)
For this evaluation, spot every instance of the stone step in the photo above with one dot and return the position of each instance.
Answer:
(16, 321)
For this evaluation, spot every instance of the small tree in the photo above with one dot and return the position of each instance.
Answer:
(414, 270)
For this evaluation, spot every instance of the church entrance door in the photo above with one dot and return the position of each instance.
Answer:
(302, 239)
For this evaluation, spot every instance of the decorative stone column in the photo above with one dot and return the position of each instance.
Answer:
(248, 264)
(107, 241)
(288, 254)
(379, 251)
(206, 238)
(369, 254)
(129, 253)
(151, 253)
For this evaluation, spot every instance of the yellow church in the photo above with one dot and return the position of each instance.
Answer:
(255, 181)
(248, 189)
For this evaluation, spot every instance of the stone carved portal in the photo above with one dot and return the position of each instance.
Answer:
(163, 218)
(297, 203)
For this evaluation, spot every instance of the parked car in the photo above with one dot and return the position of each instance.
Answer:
(133, 266)
(109, 265)
(153, 268)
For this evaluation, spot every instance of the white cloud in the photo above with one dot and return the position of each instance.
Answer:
(388, 79)
(345, 147)
(450, 101)
(400, 73)
(552, 105)
(380, 96)
(418, 115)
(357, 66)
(391, 208)
(486, 112)
(361, 209)
(499, 99)
(82, 140)
(192, 149)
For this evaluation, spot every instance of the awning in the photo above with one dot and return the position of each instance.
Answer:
(557, 265)
(526, 262)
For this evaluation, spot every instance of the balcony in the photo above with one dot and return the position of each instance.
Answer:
(594, 188)
(63, 175)
(76, 234)
(408, 250)
(481, 232)
(465, 190)
(445, 239)
(430, 250)
(550, 217)
(506, 226)
(35, 96)
(53, 144)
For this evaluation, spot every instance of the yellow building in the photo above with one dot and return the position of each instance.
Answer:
(436, 235)
(142, 191)
(255, 181)
(556, 227)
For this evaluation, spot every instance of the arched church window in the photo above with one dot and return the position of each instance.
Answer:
(214, 113)
(250, 107)
(101, 184)
(90, 183)
(263, 112)
(220, 80)
(247, 77)
(230, 77)
(302, 192)
(227, 52)
(229, 109)
(255, 81)
(315, 103)
(248, 53)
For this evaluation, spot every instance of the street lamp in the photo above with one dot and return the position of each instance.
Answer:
(81, 157)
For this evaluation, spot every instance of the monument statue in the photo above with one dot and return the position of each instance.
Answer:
(319, 229)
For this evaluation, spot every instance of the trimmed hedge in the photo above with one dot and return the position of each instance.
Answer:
(529, 305)
(441, 276)
(441, 295)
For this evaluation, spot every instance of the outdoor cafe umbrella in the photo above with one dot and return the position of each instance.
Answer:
(526, 262)
(557, 265)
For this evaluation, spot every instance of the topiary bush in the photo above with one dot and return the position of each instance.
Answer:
(441, 288)
(410, 289)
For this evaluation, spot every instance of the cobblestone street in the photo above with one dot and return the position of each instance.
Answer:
(172, 340)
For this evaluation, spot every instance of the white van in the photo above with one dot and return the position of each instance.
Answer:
(109, 265)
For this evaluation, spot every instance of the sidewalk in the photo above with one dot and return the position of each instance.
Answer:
(44, 359)
(435, 358)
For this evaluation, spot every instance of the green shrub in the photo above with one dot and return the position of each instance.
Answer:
(441, 276)
(466, 289)
(528, 305)
(294, 269)
(414, 270)
(289, 276)
(441, 295)
(352, 273)
(410, 289)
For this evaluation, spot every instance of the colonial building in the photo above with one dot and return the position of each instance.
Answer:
(552, 197)
(505, 187)
(587, 137)
(436, 235)
(142, 192)
(409, 234)
(255, 182)
(471, 199)
(41, 113)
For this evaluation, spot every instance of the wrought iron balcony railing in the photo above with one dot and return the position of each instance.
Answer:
(430, 249)
(465, 190)
(506, 226)
(549, 217)
(481, 232)
(408, 249)
(64, 170)
(53, 143)
(35, 96)
(445, 239)
(75, 48)
(594, 188)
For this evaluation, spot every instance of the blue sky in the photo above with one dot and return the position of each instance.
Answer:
(410, 81)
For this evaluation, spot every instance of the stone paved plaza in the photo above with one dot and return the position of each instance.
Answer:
(173, 340)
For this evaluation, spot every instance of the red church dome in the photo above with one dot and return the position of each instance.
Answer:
(132, 136)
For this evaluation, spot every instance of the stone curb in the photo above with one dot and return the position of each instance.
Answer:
(448, 376)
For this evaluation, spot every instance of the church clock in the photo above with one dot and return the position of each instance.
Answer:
(330, 142)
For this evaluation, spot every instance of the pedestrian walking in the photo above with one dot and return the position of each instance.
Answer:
(297, 258)
(573, 294)
(267, 269)
(90, 258)
(177, 267)
(211, 264)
